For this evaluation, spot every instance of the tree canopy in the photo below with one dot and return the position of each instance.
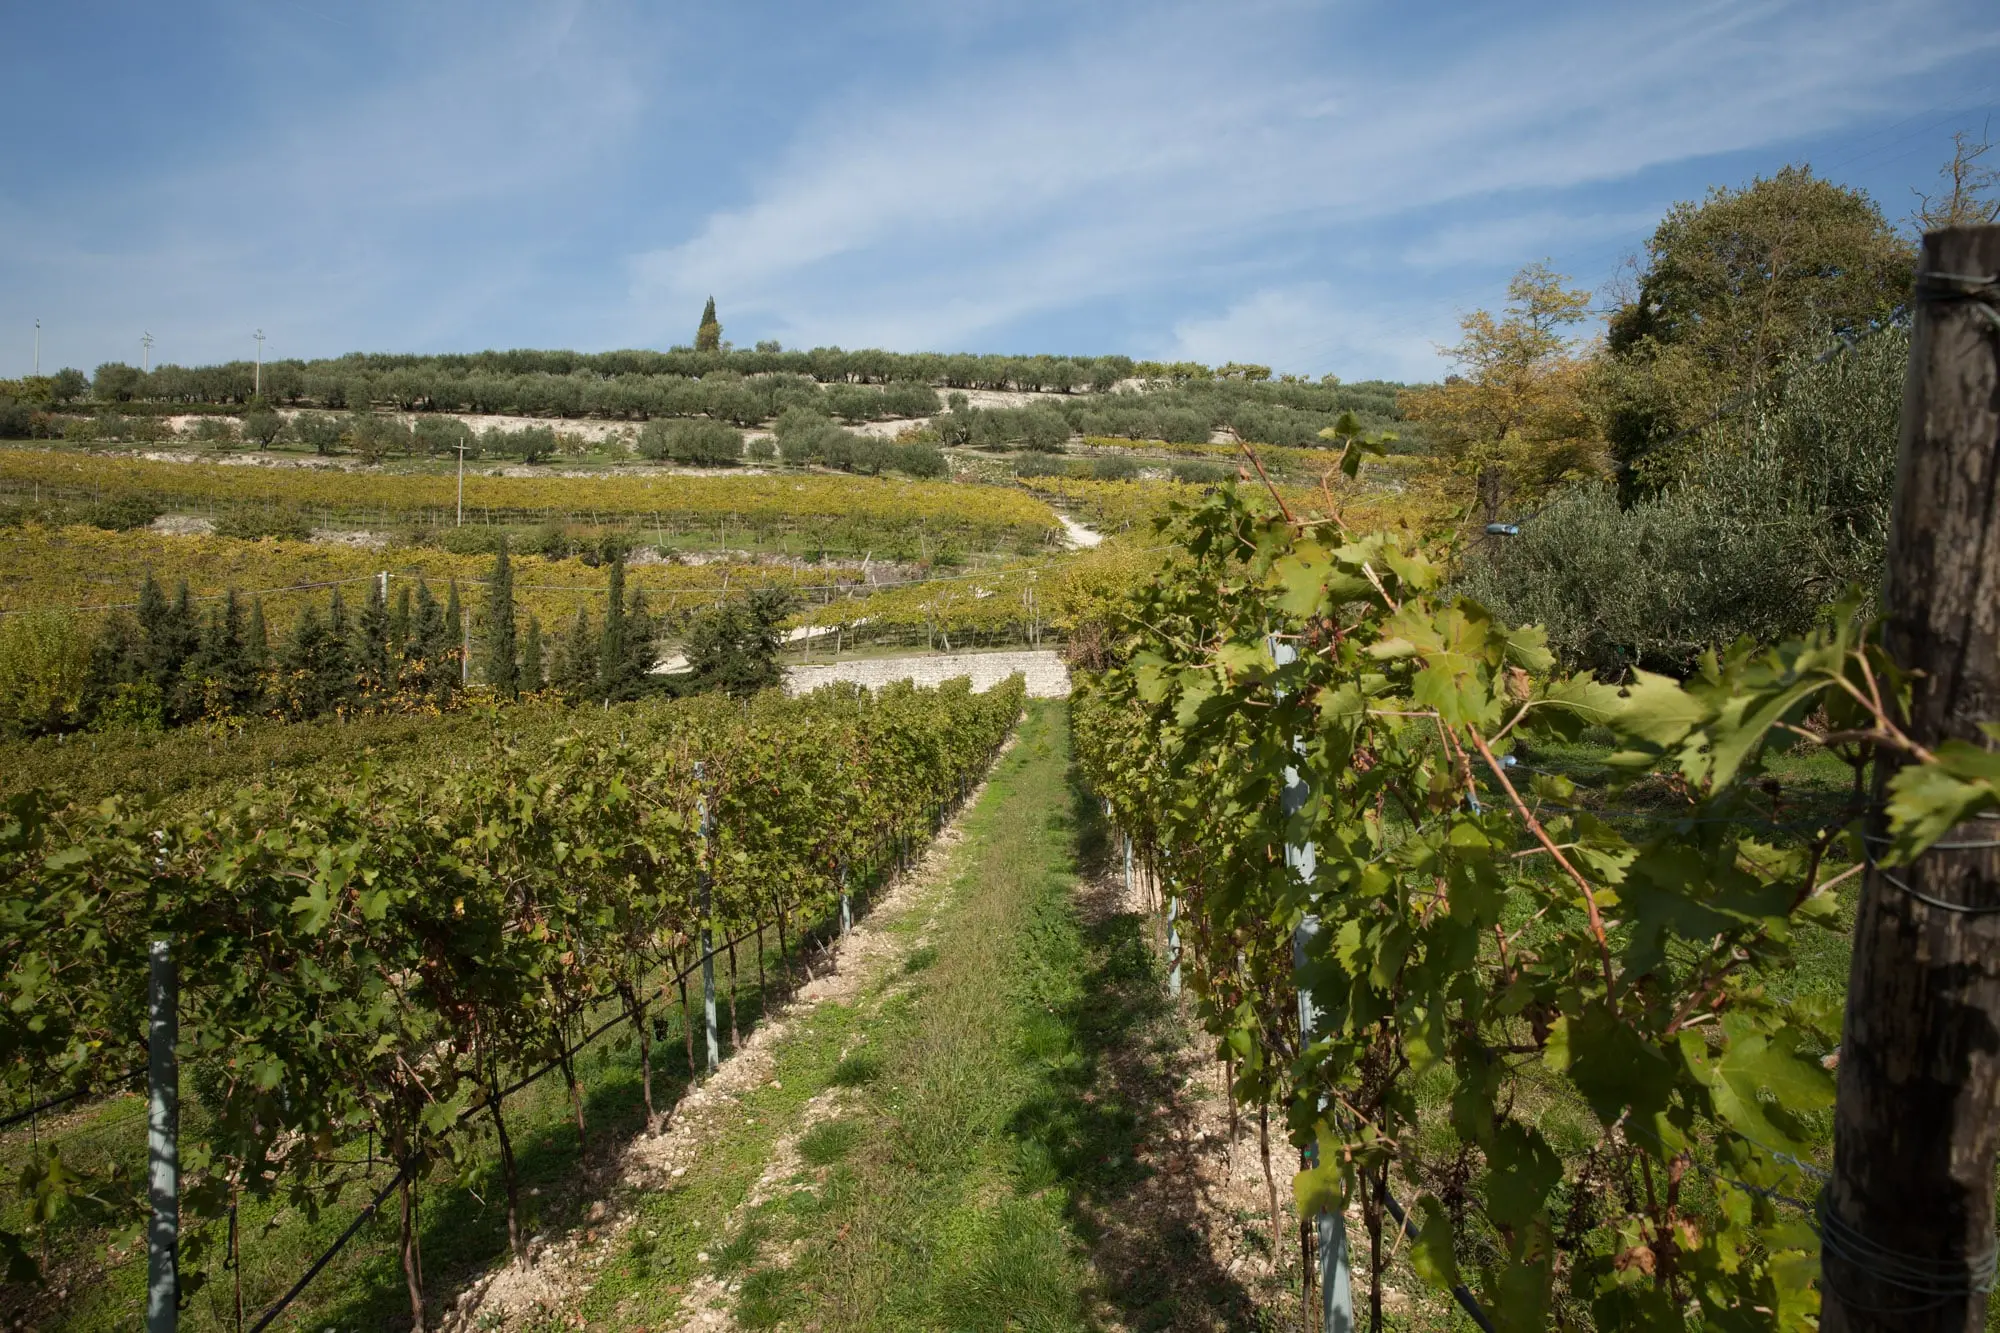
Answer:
(708, 334)
(1731, 287)
(734, 647)
(1513, 423)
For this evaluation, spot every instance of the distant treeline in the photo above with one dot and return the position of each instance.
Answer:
(168, 663)
(410, 380)
(1181, 401)
(1284, 412)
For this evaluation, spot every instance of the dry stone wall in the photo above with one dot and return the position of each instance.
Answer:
(1047, 676)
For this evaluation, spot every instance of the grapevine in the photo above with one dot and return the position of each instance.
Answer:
(1492, 961)
(374, 954)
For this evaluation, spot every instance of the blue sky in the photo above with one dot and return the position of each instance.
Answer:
(1321, 187)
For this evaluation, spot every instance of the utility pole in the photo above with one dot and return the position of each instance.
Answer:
(1907, 1220)
(38, 349)
(146, 342)
(461, 483)
(257, 377)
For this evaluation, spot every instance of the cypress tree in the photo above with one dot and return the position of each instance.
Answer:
(220, 676)
(176, 653)
(531, 657)
(238, 666)
(612, 650)
(153, 615)
(503, 672)
(454, 655)
(423, 654)
(708, 334)
(641, 635)
(168, 637)
(575, 673)
(257, 639)
(115, 667)
(371, 644)
(399, 624)
(299, 661)
(335, 665)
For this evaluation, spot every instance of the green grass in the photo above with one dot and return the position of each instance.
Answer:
(463, 1226)
(982, 1171)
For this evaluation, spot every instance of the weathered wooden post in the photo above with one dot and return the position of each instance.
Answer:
(1907, 1221)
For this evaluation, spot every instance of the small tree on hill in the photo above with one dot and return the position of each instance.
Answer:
(574, 672)
(1972, 194)
(531, 657)
(708, 336)
(503, 671)
(261, 425)
(1513, 424)
(734, 647)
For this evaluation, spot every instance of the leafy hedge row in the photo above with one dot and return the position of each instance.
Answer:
(379, 952)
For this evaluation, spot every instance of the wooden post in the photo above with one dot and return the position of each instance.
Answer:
(1908, 1216)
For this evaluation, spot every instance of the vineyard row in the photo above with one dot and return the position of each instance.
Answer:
(378, 955)
(1573, 1039)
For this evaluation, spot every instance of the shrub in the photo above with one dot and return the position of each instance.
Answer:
(759, 450)
(852, 403)
(1114, 467)
(214, 430)
(530, 444)
(440, 437)
(280, 524)
(1034, 465)
(1779, 516)
(920, 460)
(262, 426)
(121, 513)
(1042, 428)
(1200, 474)
(472, 539)
(374, 437)
(17, 420)
(44, 658)
(318, 431)
(551, 541)
(698, 442)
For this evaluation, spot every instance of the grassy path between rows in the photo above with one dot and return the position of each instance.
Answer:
(961, 1145)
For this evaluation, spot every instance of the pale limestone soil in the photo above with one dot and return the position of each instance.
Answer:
(560, 1271)
(1204, 1180)
(1222, 1175)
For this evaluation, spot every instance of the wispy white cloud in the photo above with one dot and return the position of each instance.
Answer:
(945, 208)
(363, 216)
(1331, 184)
(1501, 238)
(1308, 328)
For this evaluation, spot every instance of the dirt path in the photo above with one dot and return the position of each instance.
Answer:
(561, 1272)
(990, 1114)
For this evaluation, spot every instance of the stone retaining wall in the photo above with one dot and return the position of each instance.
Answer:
(1048, 677)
